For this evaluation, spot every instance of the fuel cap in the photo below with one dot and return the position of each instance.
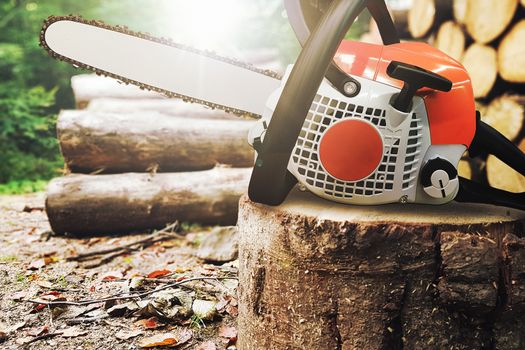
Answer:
(351, 150)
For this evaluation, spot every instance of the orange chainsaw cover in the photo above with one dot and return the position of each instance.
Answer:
(452, 115)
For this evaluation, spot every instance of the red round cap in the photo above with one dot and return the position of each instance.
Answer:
(351, 150)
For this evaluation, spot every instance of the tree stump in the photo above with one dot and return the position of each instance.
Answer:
(321, 275)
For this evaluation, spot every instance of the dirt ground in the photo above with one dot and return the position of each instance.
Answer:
(35, 264)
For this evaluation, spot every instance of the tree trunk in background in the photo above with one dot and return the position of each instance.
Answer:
(87, 87)
(425, 14)
(315, 274)
(451, 40)
(511, 54)
(112, 143)
(482, 65)
(85, 204)
(486, 20)
(504, 177)
(506, 114)
(459, 9)
(169, 106)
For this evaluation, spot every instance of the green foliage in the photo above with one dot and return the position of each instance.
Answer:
(34, 87)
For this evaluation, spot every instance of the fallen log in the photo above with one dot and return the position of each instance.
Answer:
(87, 87)
(139, 142)
(349, 277)
(482, 66)
(426, 14)
(168, 106)
(511, 54)
(506, 114)
(486, 20)
(451, 40)
(87, 204)
(501, 176)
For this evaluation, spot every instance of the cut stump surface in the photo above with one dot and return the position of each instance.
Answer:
(316, 274)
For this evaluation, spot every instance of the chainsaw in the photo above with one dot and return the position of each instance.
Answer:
(351, 122)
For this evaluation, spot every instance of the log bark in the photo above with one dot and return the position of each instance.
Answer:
(511, 54)
(87, 204)
(486, 20)
(501, 176)
(169, 106)
(426, 14)
(139, 142)
(451, 40)
(315, 274)
(506, 114)
(87, 87)
(482, 66)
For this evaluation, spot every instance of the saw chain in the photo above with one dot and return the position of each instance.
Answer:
(159, 40)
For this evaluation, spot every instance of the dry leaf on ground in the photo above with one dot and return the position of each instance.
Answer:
(209, 345)
(159, 273)
(150, 323)
(73, 332)
(166, 339)
(125, 334)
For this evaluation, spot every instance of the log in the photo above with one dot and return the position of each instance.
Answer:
(506, 114)
(87, 87)
(425, 14)
(139, 142)
(459, 9)
(482, 66)
(168, 106)
(511, 54)
(465, 169)
(451, 40)
(313, 272)
(486, 20)
(501, 176)
(88, 204)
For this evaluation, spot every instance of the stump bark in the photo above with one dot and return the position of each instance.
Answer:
(320, 275)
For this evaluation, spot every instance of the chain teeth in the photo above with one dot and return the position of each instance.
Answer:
(164, 41)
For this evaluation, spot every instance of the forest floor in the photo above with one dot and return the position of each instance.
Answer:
(196, 309)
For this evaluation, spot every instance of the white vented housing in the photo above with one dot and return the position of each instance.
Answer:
(406, 141)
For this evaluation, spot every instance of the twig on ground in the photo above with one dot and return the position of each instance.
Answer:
(124, 297)
(40, 337)
(84, 320)
(111, 253)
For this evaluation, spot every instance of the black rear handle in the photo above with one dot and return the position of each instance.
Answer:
(271, 182)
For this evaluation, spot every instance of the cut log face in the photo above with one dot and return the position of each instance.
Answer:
(482, 66)
(87, 87)
(348, 277)
(421, 17)
(511, 54)
(139, 142)
(426, 14)
(504, 177)
(465, 169)
(486, 20)
(506, 114)
(451, 40)
(85, 204)
(169, 106)
(459, 8)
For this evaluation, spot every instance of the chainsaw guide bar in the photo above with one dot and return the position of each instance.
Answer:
(159, 40)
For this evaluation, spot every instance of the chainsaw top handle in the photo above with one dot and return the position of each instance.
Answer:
(271, 181)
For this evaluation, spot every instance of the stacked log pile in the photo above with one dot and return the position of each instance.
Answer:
(487, 37)
(136, 160)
